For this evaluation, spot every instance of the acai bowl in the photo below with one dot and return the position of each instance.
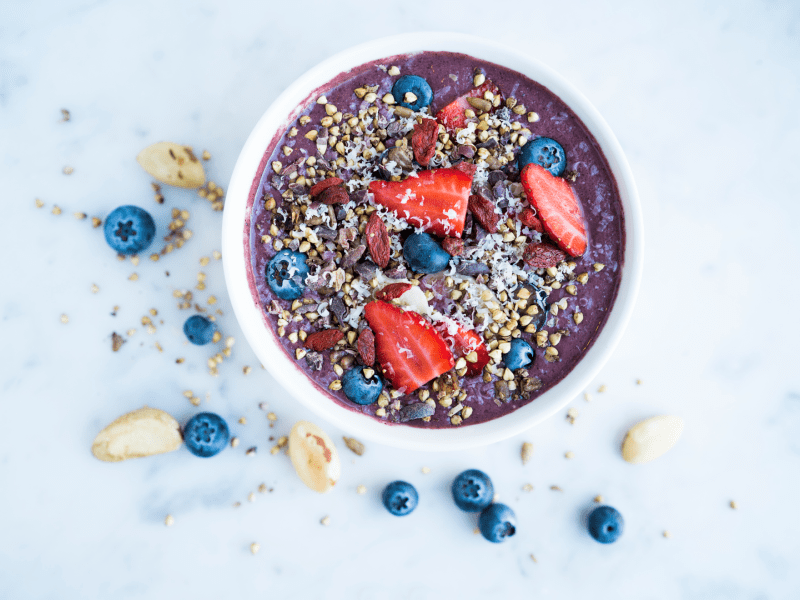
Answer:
(432, 241)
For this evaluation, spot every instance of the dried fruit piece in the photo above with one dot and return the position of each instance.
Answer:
(453, 246)
(542, 255)
(143, 432)
(423, 141)
(334, 195)
(529, 219)
(392, 291)
(378, 241)
(483, 210)
(172, 164)
(318, 188)
(314, 456)
(366, 346)
(323, 340)
(651, 438)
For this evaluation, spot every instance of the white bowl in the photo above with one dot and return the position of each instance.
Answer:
(236, 253)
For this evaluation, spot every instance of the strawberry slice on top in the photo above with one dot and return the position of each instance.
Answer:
(452, 116)
(463, 342)
(557, 206)
(409, 350)
(435, 200)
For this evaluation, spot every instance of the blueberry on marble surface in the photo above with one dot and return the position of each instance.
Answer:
(497, 523)
(286, 274)
(206, 434)
(362, 385)
(472, 490)
(519, 355)
(606, 524)
(400, 498)
(424, 254)
(546, 152)
(416, 85)
(129, 229)
(199, 330)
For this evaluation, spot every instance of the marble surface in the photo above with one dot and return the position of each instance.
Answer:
(703, 97)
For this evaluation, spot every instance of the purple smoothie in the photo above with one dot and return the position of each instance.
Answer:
(450, 75)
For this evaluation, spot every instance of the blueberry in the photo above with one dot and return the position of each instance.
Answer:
(424, 254)
(519, 355)
(400, 498)
(129, 229)
(546, 152)
(286, 274)
(360, 389)
(417, 86)
(199, 330)
(497, 523)
(606, 524)
(206, 434)
(472, 490)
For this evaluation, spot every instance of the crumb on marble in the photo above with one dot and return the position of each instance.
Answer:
(527, 487)
(326, 520)
(169, 521)
(255, 547)
(598, 498)
(64, 319)
(425, 470)
(569, 455)
(234, 442)
(602, 389)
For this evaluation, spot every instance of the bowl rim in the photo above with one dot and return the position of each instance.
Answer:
(236, 255)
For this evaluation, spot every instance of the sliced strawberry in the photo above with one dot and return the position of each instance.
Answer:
(409, 350)
(462, 342)
(530, 220)
(452, 115)
(435, 200)
(558, 208)
(392, 291)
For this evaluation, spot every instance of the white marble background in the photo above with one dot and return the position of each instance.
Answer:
(704, 98)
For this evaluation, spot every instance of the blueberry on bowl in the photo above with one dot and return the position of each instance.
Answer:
(206, 434)
(546, 152)
(129, 229)
(424, 254)
(497, 523)
(416, 85)
(400, 498)
(606, 524)
(199, 330)
(362, 385)
(472, 490)
(519, 355)
(286, 274)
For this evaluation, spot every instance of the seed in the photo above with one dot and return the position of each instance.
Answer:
(410, 97)
(371, 97)
(555, 338)
(578, 318)
(335, 385)
(472, 357)
(330, 109)
(393, 70)
(312, 135)
(388, 99)
(461, 363)
(550, 351)
(532, 117)
(583, 278)
(519, 109)
(598, 267)
(554, 309)
(360, 92)
(480, 104)
(466, 413)
(508, 375)
(525, 320)
(571, 290)
(455, 420)
(322, 100)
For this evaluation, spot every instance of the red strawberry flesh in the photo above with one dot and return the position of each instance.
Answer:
(452, 116)
(435, 200)
(409, 350)
(463, 341)
(557, 206)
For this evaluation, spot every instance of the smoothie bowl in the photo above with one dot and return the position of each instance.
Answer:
(432, 241)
